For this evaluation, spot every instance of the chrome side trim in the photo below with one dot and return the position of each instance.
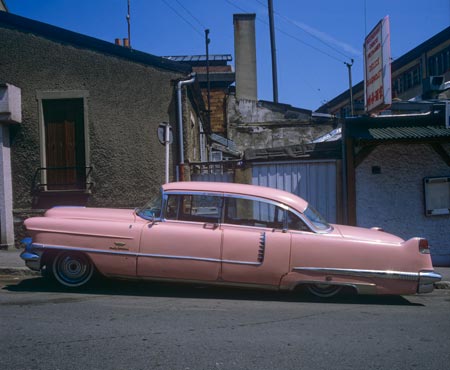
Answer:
(385, 274)
(235, 262)
(42, 247)
(79, 249)
(168, 256)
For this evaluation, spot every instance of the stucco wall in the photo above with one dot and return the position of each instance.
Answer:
(126, 102)
(394, 199)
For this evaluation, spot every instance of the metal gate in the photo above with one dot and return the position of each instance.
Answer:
(314, 181)
(222, 171)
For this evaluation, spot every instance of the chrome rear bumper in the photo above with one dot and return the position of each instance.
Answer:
(427, 280)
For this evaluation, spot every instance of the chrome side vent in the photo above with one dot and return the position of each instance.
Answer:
(262, 247)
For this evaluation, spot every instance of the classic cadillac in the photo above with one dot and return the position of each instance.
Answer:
(226, 234)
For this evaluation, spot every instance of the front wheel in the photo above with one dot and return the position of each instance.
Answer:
(72, 269)
(324, 290)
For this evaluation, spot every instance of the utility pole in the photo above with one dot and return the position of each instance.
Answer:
(208, 87)
(349, 66)
(129, 26)
(274, 53)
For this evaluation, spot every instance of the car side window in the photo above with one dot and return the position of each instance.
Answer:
(296, 223)
(250, 212)
(196, 208)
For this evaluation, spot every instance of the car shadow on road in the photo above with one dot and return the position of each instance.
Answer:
(111, 287)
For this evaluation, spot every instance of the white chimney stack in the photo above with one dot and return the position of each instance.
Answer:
(245, 56)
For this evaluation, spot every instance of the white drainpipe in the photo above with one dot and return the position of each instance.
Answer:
(180, 84)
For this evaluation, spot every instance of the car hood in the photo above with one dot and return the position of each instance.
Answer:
(371, 235)
(82, 213)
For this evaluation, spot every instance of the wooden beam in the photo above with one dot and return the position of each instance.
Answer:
(439, 149)
(364, 153)
(351, 183)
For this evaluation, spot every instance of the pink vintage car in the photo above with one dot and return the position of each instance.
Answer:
(226, 234)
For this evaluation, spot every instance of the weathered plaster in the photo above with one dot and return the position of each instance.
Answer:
(394, 199)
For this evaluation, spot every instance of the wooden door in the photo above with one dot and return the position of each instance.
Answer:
(64, 144)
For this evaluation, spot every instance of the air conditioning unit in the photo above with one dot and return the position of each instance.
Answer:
(10, 104)
(433, 83)
(216, 156)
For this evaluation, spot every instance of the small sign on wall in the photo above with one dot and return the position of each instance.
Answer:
(437, 196)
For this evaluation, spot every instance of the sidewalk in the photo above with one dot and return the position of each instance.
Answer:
(12, 264)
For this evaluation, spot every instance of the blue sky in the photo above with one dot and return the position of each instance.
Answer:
(313, 38)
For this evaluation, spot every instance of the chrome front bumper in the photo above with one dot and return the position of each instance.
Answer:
(32, 258)
(427, 280)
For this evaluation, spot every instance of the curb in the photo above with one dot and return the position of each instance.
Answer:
(18, 271)
(442, 285)
(25, 271)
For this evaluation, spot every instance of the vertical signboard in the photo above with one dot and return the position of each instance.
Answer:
(377, 66)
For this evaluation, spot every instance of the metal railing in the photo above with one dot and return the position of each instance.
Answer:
(62, 178)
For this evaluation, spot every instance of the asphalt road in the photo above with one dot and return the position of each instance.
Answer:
(123, 325)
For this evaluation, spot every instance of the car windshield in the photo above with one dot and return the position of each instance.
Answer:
(152, 209)
(316, 219)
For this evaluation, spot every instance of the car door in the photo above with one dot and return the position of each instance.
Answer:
(255, 247)
(186, 243)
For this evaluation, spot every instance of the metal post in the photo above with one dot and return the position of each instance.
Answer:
(129, 26)
(349, 66)
(274, 53)
(208, 87)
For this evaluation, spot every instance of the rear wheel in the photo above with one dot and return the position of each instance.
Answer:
(324, 290)
(72, 269)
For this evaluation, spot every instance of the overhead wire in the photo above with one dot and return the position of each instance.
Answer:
(183, 18)
(290, 35)
(294, 23)
(192, 15)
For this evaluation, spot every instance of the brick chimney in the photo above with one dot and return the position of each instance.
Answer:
(245, 56)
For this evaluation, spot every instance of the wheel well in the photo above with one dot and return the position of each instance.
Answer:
(347, 289)
(49, 256)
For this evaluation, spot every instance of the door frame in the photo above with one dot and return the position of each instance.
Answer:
(57, 95)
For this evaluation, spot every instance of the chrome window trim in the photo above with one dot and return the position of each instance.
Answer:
(165, 196)
(309, 223)
(283, 206)
(385, 274)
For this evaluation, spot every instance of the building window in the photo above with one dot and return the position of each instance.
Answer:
(437, 196)
(64, 142)
(439, 63)
(407, 80)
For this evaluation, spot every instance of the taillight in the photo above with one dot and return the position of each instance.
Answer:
(423, 246)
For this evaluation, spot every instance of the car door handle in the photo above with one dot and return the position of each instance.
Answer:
(211, 226)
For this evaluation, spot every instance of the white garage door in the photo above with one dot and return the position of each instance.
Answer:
(314, 181)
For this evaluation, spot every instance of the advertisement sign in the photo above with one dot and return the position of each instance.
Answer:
(377, 66)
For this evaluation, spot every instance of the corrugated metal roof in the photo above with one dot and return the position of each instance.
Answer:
(200, 58)
(408, 132)
(421, 126)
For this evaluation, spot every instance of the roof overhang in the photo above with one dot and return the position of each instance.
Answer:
(404, 127)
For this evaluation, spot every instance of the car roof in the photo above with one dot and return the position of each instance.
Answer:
(277, 195)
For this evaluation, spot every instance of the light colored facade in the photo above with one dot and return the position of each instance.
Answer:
(393, 199)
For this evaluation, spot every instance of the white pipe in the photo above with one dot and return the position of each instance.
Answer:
(180, 84)
(166, 144)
